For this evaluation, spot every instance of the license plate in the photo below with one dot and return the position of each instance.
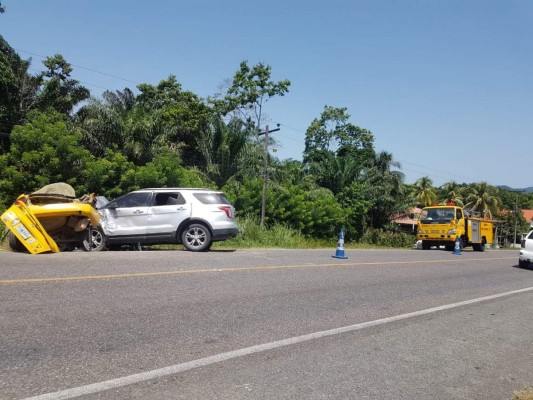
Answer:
(23, 231)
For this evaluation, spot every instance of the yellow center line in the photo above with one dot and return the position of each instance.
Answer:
(235, 269)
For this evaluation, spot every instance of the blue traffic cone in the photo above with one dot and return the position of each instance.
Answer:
(340, 246)
(457, 248)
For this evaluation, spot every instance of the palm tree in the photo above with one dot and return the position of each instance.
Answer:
(101, 126)
(335, 172)
(119, 122)
(383, 168)
(227, 149)
(482, 200)
(424, 192)
(385, 189)
(452, 193)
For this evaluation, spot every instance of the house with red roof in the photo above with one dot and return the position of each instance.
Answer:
(407, 221)
(528, 216)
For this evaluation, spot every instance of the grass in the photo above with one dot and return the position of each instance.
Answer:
(3, 237)
(252, 234)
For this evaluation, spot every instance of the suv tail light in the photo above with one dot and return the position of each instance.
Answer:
(227, 210)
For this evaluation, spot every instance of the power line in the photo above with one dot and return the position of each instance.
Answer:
(433, 169)
(281, 124)
(85, 68)
(85, 83)
(440, 174)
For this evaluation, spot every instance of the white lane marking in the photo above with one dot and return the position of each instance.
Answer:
(175, 369)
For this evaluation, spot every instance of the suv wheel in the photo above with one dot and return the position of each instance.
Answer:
(196, 237)
(97, 240)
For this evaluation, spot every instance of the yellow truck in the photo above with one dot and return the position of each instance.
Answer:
(50, 221)
(442, 225)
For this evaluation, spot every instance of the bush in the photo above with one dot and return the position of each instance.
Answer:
(252, 234)
(387, 239)
(315, 213)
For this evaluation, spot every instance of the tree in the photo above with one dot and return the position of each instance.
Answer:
(170, 117)
(103, 127)
(332, 133)
(59, 91)
(292, 172)
(483, 200)
(227, 150)
(313, 212)
(43, 151)
(334, 172)
(452, 193)
(250, 88)
(165, 170)
(356, 204)
(512, 221)
(385, 190)
(424, 192)
(161, 117)
(18, 91)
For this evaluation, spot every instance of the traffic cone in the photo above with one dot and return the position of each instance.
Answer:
(340, 246)
(457, 248)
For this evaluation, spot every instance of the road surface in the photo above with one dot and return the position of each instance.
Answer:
(265, 324)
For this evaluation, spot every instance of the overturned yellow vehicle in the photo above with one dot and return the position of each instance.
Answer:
(52, 219)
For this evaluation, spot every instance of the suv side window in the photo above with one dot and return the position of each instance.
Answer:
(211, 198)
(169, 198)
(132, 200)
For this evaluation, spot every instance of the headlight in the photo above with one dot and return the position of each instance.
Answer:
(452, 231)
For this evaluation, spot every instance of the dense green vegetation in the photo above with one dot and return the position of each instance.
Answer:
(52, 129)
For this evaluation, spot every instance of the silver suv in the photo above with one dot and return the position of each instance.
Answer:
(194, 217)
(526, 251)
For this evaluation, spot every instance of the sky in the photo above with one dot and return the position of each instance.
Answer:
(445, 86)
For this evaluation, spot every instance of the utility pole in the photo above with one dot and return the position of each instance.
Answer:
(265, 172)
(515, 215)
(515, 219)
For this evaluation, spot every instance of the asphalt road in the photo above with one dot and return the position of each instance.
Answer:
(265, 324)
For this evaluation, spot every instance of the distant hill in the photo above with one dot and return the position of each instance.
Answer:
(525, 190)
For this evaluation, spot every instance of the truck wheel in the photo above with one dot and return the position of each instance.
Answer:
(426, 245)
(14, 243)
(479, 246)
(196, 237)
